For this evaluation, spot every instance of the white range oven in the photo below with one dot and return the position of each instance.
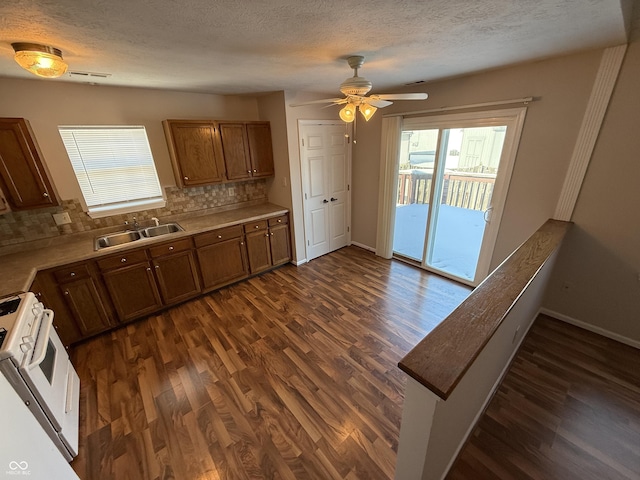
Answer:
(36, 364)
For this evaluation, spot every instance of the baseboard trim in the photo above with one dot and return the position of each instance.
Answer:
(592, 328)
(297, 263)
(362, 245)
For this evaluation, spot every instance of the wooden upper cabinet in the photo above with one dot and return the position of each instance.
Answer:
(23, 176)
(235, 150)
(247, 149)
(194, 154)
(260, 149)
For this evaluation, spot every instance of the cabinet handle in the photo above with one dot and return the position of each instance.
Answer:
(257, 226)
(325, 201)
(272, 234)
(148, 269)
(219, 236)
(157, 267)
(249, 171)
(241, 243)
(170, 248)
(123, 260)
(66, 292)
(333, 199)
(45, 194)
(279, 220)
(255, 171)
(186, 178)
(266, 234)
(72, 274)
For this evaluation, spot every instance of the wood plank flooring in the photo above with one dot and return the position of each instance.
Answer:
(290, 375)
(569, 408)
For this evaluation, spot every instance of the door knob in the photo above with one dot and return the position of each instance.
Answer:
(325, 201)
(333, 199)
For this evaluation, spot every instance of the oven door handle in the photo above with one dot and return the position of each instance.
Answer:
(41, 352)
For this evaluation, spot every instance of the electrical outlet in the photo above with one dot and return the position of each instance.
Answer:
(61, 218)
(231, 191)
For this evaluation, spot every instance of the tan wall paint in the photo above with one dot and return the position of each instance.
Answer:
(48, 104)
(601, 257)
(293, 114)
(562, 86)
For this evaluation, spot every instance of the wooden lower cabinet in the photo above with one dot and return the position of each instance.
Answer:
(258, 246)
(176, 271)
(279, 240)
(76, 296)
(222, 257)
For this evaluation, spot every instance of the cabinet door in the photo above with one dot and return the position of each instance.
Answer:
(280, 244)
(193, 153)
(85, 304)
(222, 263)
(258, 251)
(235, 148)
(177, 277)
(23, 177)
(260, 149)
(133, 291)
(46, 290)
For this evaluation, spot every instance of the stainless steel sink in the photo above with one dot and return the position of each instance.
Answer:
(162, 230)
(119, 238)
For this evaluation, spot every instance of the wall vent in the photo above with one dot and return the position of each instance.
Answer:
(89, 75)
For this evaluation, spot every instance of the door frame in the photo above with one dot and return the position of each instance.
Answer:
(514, 118)
(304, 171)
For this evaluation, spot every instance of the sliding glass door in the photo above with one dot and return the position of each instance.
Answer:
(452, 183)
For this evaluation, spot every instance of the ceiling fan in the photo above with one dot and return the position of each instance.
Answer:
(355, 88)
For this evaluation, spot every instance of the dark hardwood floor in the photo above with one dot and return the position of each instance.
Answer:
(290, 375)
(568, 409)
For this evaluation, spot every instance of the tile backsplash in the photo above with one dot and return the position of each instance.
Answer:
(28, 225)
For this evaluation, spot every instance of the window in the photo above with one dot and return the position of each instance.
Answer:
(114, 167)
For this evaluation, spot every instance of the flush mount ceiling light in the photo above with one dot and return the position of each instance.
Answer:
(41, 60)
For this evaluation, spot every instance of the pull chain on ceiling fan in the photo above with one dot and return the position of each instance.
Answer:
(355, 90)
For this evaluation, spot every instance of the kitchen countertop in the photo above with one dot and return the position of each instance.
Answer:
(19, 268)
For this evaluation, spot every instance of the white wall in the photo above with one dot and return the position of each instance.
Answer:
(46, 104)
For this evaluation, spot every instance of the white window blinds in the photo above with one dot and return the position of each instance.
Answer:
(114, 168)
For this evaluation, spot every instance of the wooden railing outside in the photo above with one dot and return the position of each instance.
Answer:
(460, 189)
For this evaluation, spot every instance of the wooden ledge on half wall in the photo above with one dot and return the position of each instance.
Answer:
(441, 358)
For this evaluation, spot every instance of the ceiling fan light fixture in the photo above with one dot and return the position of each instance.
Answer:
(41, 60)
(367, 111)
(348, 113)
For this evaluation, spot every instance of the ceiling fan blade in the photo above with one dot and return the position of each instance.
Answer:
(402, 96)
(376, 102)
(324, 100)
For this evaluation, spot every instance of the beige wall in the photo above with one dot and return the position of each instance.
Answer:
(561, 86)
(600, 263)
(47, 104)
(293, 115)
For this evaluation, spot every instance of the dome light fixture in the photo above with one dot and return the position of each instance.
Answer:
(41, 60)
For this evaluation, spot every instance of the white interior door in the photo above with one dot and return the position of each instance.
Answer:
(326, 172)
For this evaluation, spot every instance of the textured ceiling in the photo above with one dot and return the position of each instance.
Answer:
(251, 46)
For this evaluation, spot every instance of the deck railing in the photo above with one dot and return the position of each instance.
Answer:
(460, 189)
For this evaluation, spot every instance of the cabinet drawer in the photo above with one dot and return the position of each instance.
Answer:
(255, 226)
(281, 220)
(170, 247)
(74, 272)
(122, 260)
(219, 235)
